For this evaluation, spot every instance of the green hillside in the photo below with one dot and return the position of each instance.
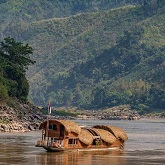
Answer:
(92, 55)
(130, 72)
(19, 12)
(28, 11)
(74, 45)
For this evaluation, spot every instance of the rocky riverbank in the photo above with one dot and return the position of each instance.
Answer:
(123, 112)
(25, 117)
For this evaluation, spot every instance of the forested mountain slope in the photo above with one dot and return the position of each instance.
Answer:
(19, 12)
(74, 45)
(129, 72)
(132, 72)
(97, 59)
(28, 11)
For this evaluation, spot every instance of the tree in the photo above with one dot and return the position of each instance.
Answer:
(17, 53)
(15, 57)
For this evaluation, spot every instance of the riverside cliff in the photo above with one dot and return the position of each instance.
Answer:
(25, 117)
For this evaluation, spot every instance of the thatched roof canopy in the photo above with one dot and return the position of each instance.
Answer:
(85, 136)
(105, 135)
(116, 131)
(70, 126)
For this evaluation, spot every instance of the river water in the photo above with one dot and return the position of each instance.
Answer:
(146, 146)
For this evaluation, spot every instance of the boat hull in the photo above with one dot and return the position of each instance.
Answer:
(54, 149)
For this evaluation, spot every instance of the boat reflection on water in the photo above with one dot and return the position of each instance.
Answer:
(117, 157)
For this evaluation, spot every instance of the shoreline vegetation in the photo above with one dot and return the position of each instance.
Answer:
(27, 117)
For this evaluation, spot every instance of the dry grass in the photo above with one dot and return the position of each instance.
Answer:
(116, 131)
(70, 126)
(105, 135)
(86, 137)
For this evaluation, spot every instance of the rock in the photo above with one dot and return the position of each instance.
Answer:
(24, 118)
(38, 117)
(5, 128)
(30, 127)
(2, 128)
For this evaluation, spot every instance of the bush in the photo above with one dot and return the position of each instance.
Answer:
(3, 92)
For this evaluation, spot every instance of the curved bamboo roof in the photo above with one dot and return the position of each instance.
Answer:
(116, 131)
(86, 137)
(70, 126)
(105, 135)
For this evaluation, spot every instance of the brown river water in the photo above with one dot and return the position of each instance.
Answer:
(146, 146)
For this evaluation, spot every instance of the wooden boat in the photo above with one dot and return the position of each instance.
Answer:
(66, 135)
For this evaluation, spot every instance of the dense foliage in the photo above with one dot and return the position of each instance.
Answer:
(27, 11)
(123, 74)
(101, 58)
(14, 57)
(132, 72)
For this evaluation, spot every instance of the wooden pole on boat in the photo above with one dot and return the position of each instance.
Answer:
(47, 126)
